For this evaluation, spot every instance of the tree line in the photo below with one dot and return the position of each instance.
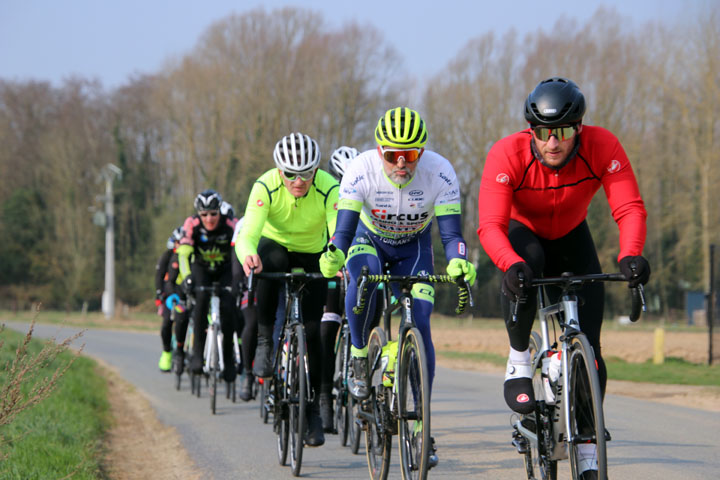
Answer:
(211, 117)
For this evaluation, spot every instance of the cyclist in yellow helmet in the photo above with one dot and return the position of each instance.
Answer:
(388, 198)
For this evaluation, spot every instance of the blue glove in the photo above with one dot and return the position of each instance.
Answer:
(331, 262)
(460, 266)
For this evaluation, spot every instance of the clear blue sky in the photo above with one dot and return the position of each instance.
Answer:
(113, 39)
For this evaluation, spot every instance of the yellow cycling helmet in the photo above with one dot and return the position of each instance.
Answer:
(401, 128)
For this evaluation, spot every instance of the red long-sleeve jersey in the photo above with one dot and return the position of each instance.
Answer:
(516, 185)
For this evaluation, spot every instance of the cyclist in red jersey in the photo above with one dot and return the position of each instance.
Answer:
(534, 195)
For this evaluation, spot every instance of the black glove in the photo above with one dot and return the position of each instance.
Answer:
(636, 269)
(187, 286)
(512, 285)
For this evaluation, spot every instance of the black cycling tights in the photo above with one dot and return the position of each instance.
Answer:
(575, 252)
(276, 258)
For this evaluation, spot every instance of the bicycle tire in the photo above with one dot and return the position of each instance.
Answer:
(261, 395)
(538, 455)
(413, 407)
(213, 359)
(342, 399)
(587, 420)
(297, 379)
(278, 388)
(378, 439)
(355, 430)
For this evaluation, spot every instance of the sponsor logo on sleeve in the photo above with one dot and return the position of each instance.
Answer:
(503, 178)
(260, 203)
(614, 166)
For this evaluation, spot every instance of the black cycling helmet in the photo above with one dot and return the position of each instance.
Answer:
(208, 200)
(555, 101)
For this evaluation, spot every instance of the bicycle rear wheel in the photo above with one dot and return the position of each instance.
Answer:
(342, 398)
(587, 421)
(353, 407)
(281, 424)
(297, 381)
(413, 407)
(537, 454)
(378, 439)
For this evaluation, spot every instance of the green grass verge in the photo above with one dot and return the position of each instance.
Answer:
(674, 371)
(135, 321)
(61, 437)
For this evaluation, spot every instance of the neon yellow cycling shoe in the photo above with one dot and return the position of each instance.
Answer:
(165, 362)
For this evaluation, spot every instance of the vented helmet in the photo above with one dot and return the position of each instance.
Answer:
(555, 101)
(340, 159)
(401, 128)
(227, 210)
(296, 153)
(175, 236)
(208, 200)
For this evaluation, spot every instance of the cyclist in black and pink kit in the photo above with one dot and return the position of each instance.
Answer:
(207, 238)
(534, 195)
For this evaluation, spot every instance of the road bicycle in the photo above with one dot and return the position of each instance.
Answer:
(288, 389)
(213, 364)
(400, 405)
(568, 417)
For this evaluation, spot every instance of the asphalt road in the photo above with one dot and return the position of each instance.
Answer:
(469, 419)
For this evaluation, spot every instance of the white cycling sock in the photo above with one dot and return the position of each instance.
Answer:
(331, 317)
(587, 457)
(517, 357)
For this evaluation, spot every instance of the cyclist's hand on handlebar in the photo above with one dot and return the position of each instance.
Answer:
(636, 269)
(460, 266)
(331, 262)
(252, 262)
(187, 285)
(516, 281)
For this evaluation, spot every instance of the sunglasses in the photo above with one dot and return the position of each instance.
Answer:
(395, 155)
(561, 133)
(210, 213)
(291, 177)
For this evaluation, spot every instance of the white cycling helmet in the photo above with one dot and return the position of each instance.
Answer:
(340, 159)
(227, 210)
(296, 153)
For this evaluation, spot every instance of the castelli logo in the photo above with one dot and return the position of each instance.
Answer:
(523, 398)
(335, 205)
(260, 203)
(614, 166)
(503, 178)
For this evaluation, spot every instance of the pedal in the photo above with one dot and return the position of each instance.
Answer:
(520, 443)
(608, 437)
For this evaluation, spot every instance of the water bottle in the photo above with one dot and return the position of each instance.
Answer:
(550, 374)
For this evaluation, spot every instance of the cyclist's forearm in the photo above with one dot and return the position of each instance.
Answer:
(347, 221)
(184, 252)
(450, 228)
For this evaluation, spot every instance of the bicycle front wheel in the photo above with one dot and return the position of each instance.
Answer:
(413, 407)
(297, 381)
(376, 412)
(214, 363)
(586, 419)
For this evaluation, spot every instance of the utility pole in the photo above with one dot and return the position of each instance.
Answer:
(109, 172)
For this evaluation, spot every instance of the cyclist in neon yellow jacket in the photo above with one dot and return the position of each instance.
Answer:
(289, 213)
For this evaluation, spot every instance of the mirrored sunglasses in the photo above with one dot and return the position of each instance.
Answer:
(305, 176)
(561, 133)
(395, 155)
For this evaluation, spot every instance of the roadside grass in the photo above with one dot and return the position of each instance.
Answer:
(60, 437)
(674, 371)
(136, 321)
